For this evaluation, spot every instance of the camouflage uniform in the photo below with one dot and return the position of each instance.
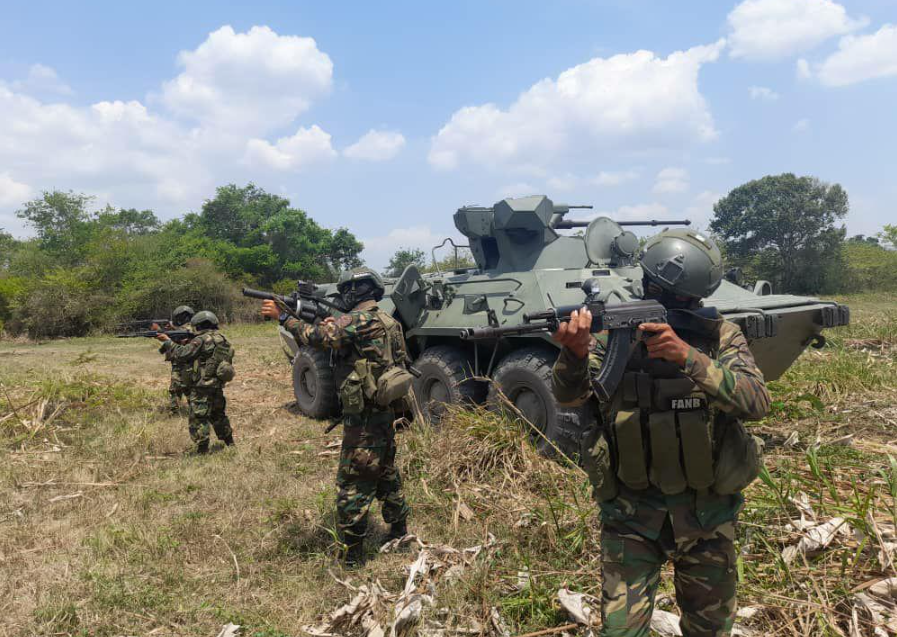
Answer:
(181, 382)
(643, 528)
(367, 459)
(206, 399)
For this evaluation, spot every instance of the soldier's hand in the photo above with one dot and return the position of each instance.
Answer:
(575, 334)
(270, 310)
(155, 327)
(162, 337)
(664, 343)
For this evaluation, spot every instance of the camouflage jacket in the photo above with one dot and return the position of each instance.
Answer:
(732, 383)
(193, 354)
(181, 370)
(364, 332)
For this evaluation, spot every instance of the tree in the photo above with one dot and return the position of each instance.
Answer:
(782, 228)
(61, 221)
(130, 221)
(889, 236)
(8, 246)
(403, 258)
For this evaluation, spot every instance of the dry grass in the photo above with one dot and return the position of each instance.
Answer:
(108, 528)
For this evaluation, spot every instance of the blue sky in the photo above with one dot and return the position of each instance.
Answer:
(385, 117)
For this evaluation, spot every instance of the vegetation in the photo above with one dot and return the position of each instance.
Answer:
(108, 528)
(88, 270)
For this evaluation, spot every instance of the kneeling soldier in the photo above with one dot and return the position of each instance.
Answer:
(210, 356)
(670, 455)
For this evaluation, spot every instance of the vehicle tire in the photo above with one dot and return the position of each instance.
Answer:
(313, 383)
(446, 377)
(524, 377)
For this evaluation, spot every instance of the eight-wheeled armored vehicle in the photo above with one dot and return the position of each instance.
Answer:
(526, 263)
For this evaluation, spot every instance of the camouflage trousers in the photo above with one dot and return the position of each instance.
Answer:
(177, 388)
(704, 568)
(207, 410)
(367, 471)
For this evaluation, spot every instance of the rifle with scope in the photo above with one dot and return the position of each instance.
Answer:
(621, 321)
(303, 304)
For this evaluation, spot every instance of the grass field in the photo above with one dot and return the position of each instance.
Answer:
(107, 526)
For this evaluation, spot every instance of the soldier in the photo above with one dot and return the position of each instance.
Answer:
(371, 352)
(210, 358)
(670, 455)
(181, 373)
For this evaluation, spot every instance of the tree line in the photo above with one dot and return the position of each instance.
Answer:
(86, 271)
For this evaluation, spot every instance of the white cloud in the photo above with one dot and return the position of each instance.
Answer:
(636, 100)
(42, 79)
(378, 250)
(700, 211)
(129, 153)
(376, 146)
(803, 69)
(248, 82)
(763, 93)
(671, 180)
(308, 146)
(860, 58)
(774, 29)
(610, 178)
(519, 189)
(801, 126)
(12, 192)
(563, 183)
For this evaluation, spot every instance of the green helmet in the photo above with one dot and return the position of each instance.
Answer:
(182, 315)
(204, 320)
(360, 284)
(683, 262)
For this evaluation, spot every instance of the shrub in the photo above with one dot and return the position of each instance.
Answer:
(869, 267)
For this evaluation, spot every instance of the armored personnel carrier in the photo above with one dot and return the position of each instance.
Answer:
(525, 264)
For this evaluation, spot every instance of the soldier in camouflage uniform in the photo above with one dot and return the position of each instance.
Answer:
(670, 456)
(181, 373)
(208, 356)
(368, 343)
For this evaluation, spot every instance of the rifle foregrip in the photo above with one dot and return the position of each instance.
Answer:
(258, 294)
(614, 363)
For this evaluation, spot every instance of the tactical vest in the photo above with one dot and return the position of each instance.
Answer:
(209, 366)
(371, 382)
(661, 425)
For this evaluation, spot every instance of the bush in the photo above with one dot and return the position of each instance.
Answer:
(869, 267)
(61, 303)
(198, 284)
(10, 288)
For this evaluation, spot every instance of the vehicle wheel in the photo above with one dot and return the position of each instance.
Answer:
(445, 378)
(524, 377)
(313, 383)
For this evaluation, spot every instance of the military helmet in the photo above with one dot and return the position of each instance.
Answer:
(360, 284)
(201, 318)
(182, 315)
(683, 262)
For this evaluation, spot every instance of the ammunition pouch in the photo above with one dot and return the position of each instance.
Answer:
(217, 369)
(662, 435)
(740, 457)
(392, 385)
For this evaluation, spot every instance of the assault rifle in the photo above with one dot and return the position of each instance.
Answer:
(175, 335)
(302, 304)
(621, 321)
(138, 323)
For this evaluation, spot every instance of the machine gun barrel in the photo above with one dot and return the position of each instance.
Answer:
(569, 224)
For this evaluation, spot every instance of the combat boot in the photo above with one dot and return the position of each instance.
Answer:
(229, 440)
(397, 531)
(202, 448)
(354, 555)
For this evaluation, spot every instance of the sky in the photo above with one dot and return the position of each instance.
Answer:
(386, 117)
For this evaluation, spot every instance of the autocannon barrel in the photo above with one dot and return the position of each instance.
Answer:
(265, 296)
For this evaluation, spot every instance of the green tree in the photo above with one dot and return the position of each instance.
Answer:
(403, 258)
(889, 235)
(8, 246)
(130, 221)
(61, 221)
(782, 228)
